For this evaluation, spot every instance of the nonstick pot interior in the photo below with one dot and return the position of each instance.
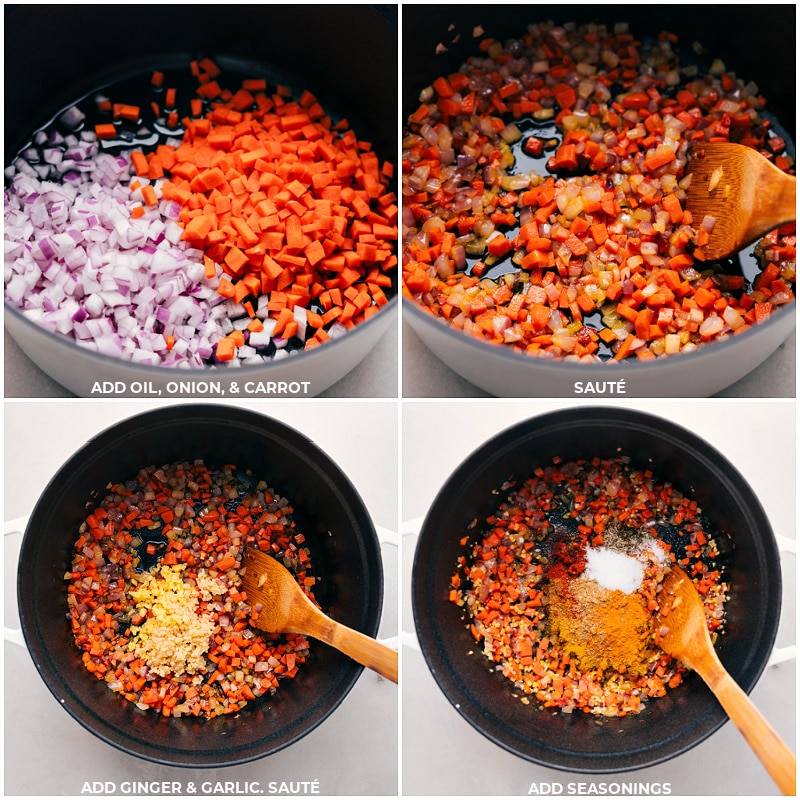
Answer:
(345, 557)
(346, 54)
(740, 35)
(575, 742)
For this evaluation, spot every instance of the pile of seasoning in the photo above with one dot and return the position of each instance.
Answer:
(154, 590)
(601, 616)
(560, 586)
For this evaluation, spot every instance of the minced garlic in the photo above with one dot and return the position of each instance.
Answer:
(208, 586)
(174, 638)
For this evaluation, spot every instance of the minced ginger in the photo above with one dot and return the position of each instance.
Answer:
(175, 637)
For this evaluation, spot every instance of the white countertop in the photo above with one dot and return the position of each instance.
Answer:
(353, 752)
(442, 753)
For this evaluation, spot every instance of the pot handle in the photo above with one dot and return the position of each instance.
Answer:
(388, 537)
(18, 526)
(780, 655)
(411, 529)
(15, 526)
(785, 544)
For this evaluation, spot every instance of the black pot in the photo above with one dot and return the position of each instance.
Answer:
(345, 554)
(575, 742)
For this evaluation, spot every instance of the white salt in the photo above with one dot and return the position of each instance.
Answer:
(614, 570)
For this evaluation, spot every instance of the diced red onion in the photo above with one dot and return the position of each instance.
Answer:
(708, 223)
(77, 263)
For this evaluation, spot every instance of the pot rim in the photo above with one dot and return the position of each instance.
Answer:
(515, 360)
(102, 360)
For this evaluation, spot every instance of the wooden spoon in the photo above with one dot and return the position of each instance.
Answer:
(747, 195)
(287, 609)
(682, 632)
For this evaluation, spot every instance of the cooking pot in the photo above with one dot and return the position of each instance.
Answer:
(346, 55)
(345, 557)
(576, 742)
(740, 37)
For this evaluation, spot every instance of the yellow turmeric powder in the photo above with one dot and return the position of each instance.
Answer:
(601, 628)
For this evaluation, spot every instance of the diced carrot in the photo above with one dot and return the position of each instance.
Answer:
(680, 261)
(225, 350)
(236, 260)
(625, 347)
(225, 563)
(566, 157)
(105, 130)
(626, 311)
(149, 195)
(704, 298)
(659, 159)
(226, 288)
(635, 100)
(499, 245)
(577, 246)
(642, 323)
(127, 112)
(672, 206)
(198, 227)
(139, 162)
(565, 96)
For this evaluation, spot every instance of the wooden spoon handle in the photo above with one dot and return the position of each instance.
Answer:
(311, 621)
(760, 735)
(358, 646)
(365, 650)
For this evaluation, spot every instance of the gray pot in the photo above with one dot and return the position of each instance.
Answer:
(739, 37)
(349, 59)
